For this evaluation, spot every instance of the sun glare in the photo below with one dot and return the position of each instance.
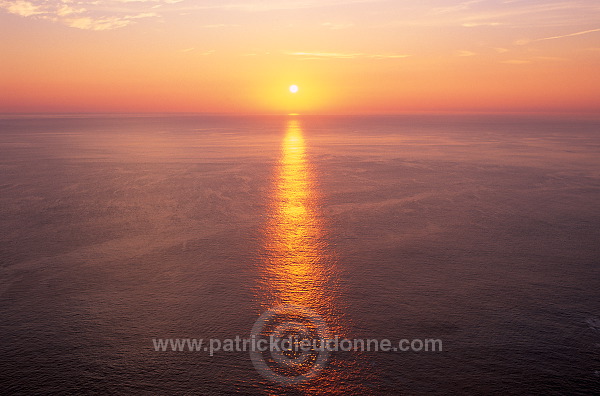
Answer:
(293, 88)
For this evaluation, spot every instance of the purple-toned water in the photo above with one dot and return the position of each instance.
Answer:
(480, 231)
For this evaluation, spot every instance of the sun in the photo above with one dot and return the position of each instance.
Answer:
(293, 88)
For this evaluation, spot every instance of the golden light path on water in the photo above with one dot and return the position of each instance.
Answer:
(299, 267)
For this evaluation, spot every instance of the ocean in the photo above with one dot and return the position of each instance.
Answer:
(122, 232)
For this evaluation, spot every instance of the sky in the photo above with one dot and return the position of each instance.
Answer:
(346, 56)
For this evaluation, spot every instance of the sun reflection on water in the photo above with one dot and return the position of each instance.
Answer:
(299, 267)
(298, 263)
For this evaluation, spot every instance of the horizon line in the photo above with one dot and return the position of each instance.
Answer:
(356, 114)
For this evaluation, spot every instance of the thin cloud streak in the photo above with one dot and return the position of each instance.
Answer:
(516, 62)
(342, 55)
(568, 35)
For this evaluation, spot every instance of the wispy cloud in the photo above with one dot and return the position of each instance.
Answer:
(516, 62)
(526, 41)
(461, 6)
(525, 13)
(464, 53)
(316, 55)
(22, 8)
(345, 55)
(84, 14)
(109, 23)
(218, 25)
(478, 24)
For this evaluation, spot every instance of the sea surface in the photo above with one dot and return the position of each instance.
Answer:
(479, 231)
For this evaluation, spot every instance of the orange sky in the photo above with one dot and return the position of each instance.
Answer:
(347, 56)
